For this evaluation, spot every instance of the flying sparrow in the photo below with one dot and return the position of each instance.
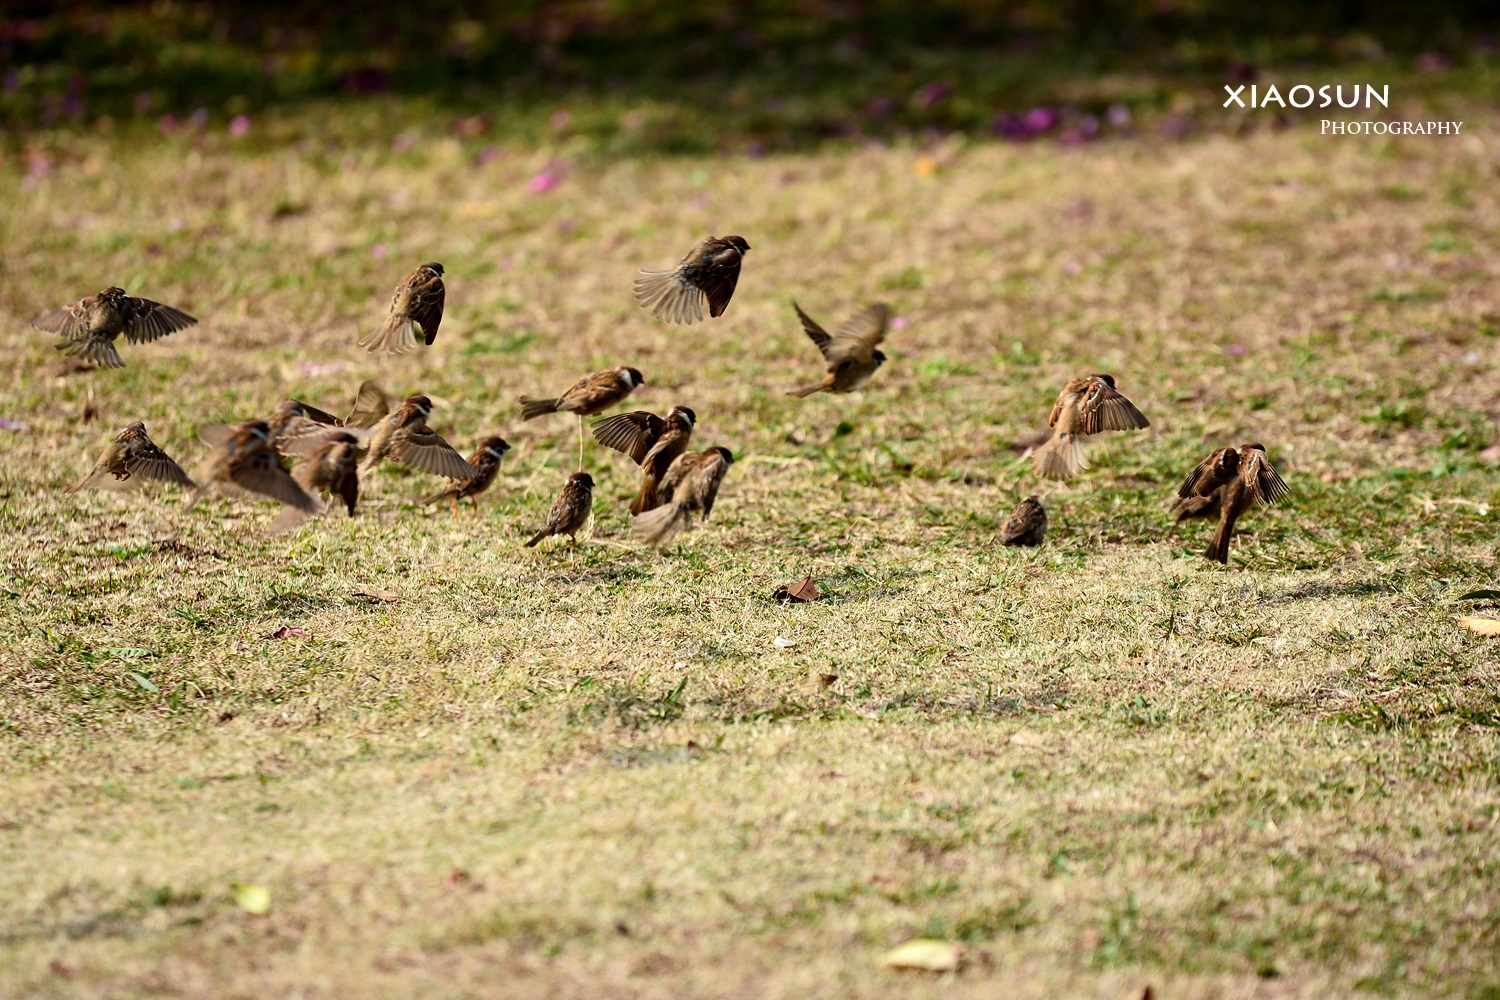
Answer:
(294, 420)
(590, 395)
(709, 271)
(652, 442)
(486, 463)
(1027, 524)
(370, 405)
(570, 511)
(418, 301)
(691, 484)
(1239, 478)
(244, 463)
(131, 457)
(329, 465)
(405, 437)
(1086, 406)
(850, 353)
(89, 326)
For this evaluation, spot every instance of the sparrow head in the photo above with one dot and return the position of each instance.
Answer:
(291, 407)
(582, 480)
(418, 404)
(738, 242)
(1108, 380)
(632, 377)
(112, 292)
(879, 358)
(1252, 447)
(340, 437)
(137, 429)
(684, 414)
(495, 447)
(432, 266)
(724, 452)
(256, 429)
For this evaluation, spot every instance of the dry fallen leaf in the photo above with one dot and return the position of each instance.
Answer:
(1484, 626)
(925, 955)
(253, 899)
(801, 592)
(381, 595)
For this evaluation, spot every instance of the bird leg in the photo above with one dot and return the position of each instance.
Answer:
(475, 502)
(580, 442)
(455, 505)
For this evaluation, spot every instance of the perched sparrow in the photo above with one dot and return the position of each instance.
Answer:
(1239, 477)
(591, 394)
(652, 443)
(1027, 524)
(570, 511)
(89, 327)
(418, 301)
(1086, 406)
(405, 437)
(244, 463)
(691, 484)
(486, 462)
(850, 353)
(709, 271)
(131, 457)
(331, 466)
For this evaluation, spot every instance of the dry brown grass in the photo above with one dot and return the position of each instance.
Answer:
(592, 773)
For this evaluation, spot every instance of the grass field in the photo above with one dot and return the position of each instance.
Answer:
(513, 772)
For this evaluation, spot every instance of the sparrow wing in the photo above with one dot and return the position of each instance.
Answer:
(669, 296)
(150, 462)
(1261, 478)
(370, 404)
(682, 467)
(1105, 409)
(215, 435)
(713, 475)
(815, 333)
(151, 321)
(857, 337)
(631, 433)
(1211, 473)
(261, 473)
(427, 308)
(69, 321)
(594, 392)
(717, 283)
(425, 450)
(317, 415)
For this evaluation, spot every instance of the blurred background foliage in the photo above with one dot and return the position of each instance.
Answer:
(654, 75)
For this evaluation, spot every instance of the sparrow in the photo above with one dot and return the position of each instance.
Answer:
(131, 457)
(1085, 406)
(295, 419)
(570, 511)
(243, 462)
(691, 484)
(1027, 524)
(89, 326)
(329, 465)
(1238, 477)
(405, 437)
(652, 442)
(486, 463)
(418, 301)
(297, 427)
(590, 395)
(850, 353)
(709, 271)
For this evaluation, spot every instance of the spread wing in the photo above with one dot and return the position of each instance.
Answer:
(370, 404)
(714, 475)
(1211, 473)
(151, 321)
(262, 474)
(427, 309)
(1262, 479)
(69, 321)
(857, 338)
(1106, 410)
(631, 434)
(214, 435)
(425, 450)
(717, 282)
(815, 333)
(317, 415)
(150, 462)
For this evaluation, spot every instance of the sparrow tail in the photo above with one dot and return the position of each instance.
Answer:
(645, 500)
(665, 295)
(531, 407)
(1060, 458)
(100, 352)
(445, 495)
(395, 336)
(656, 526)
(807, 390)
(538, 537)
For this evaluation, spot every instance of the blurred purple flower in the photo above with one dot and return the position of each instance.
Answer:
(755, 150)
(378, 251)
(487, 155)
(144, 100)
(12, 81)
(567, 227)
(12, 425)
(931, 94)
(900, 323)
(38, 163)
(1072, 267)
(560, 119)
(368, 80)
(1039, 119)
(199, 118)
(1433, 62)
(1237, 350)
(169, 123)
(73, 105)
(239, 126)
(1118, 115)
(175, 226)
(543, 182)
(313, 368)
